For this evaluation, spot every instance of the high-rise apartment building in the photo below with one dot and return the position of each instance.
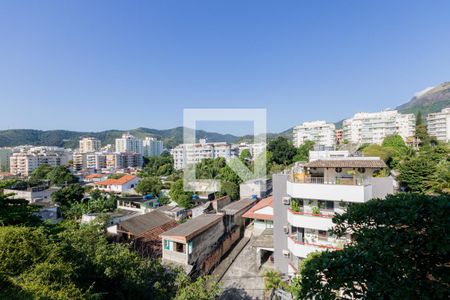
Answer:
(89, 144)
(186, 154)
(438, 125)
(320, 132)
(306, 200)
(372, 128)
(129, 143)
(25, 162)
(152, 147)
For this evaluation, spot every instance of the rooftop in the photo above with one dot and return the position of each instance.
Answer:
(237, 206)
(261, 204)
(146, 222)
(192, 228)
(347, 163)
(122, 180)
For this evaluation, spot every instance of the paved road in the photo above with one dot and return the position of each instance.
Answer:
(242, 280)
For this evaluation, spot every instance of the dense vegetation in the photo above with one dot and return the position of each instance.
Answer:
(72, 261)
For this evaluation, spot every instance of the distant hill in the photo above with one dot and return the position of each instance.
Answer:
(65, 138)
(429, 100)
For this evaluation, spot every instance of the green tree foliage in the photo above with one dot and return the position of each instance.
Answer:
(68, 195)
(229, 188)
(41, 172)
(400, 250)
(17, 211)
(425, 171)
(273, 280)
(303, 151)
(149, 185)
(177, 193)
(245, 156)
(204, 288)
(283, 151)
(158, 166)
(60, 176)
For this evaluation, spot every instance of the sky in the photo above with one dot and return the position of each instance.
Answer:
(96, 65)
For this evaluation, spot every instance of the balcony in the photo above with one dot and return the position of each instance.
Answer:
(331, 189)
(322, 221)
(303, 248)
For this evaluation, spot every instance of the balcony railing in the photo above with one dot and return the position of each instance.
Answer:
(329, 180)
(324, 244)
(323, 214)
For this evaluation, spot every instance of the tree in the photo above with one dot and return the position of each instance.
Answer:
(17, 212)
(181, 197)
(68, 195)
(395, 142)
(283, 150)
(60, 175)
(303, 151)
(245, 156)
(41, 172)
(378, 151)
(158, 166)
(149, 185)
(204, 288)
(400, 250)
(229, 188)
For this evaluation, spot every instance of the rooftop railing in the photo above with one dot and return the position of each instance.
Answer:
(329, 180)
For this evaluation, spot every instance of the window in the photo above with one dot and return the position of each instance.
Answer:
(323, 235)
(166, 245)
(326, 205)
(180, 247)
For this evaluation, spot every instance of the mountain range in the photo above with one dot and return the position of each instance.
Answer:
(430, 100)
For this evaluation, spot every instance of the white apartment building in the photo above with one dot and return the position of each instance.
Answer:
(25, 162)
(124, 160)
(372, 128)
(438, 125)
(129, 143)
(89, 144)
(255, 149)
(186, 154)
(320, 132)
(306, 200)
(152, 147)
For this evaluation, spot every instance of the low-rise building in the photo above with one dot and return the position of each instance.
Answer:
(261, 214)
(124, 184)
(190, 244)
(145, 230)
(33, 194)
(234, 213)
(332, 154)
(137, 204)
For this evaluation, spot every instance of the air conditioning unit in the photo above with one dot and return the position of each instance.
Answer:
(286, 253)
(286, 229)
(286, 200)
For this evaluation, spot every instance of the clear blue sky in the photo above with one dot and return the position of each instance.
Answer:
(95, 65)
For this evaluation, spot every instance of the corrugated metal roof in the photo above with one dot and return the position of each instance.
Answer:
(237, 206)
(146, 222)
(193, 227)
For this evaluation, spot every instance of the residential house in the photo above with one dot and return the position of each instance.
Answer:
(124, 184)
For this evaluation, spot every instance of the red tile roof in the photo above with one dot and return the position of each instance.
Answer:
(122, 180)
(95, 175)
(261, 204)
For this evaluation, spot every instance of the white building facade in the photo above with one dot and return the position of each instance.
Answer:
(89, 144)
(23, 163)
(438, 125)
(187, 154)
(372, 128)
(319, 132)
(152, 147)
(129, 143)
(306, 200)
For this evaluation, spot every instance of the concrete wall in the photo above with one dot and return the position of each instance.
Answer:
(382, 186)
(280, 220)
(203, 244)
